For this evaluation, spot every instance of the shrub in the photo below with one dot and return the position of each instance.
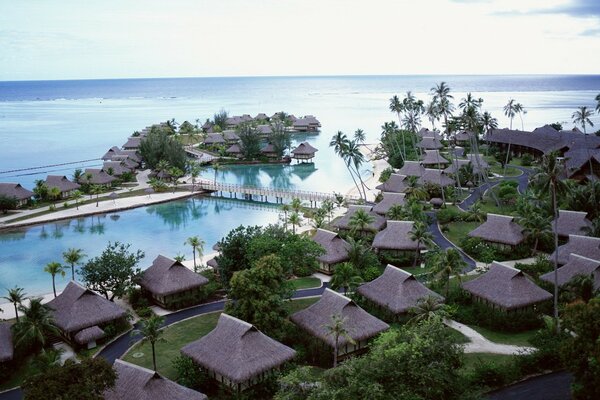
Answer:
(478, 249)
(526, 160)
(449, 214)
(385, 174)
(491, 374)
(188, 373)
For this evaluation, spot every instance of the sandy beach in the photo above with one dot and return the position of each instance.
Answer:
(371, 182)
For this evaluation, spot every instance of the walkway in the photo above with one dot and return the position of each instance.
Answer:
(199, 155)
(443, 243)
(554, 386)
(479, 344)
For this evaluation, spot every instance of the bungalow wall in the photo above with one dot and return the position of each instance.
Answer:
(176, 300)
(239, 387)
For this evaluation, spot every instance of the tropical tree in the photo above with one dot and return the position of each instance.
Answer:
(421, 235)
(427, 308)
(327, 206)
(95, 190)
(345, 276)
(597, 98)
(536, 227)
(432, 112)
(35, 324)
(296, 205)
(581, 287)
(195, 170)
(396, 213)
(582, 117)
(295, 219)
(150, 329)
(197, 245)
(54, 193)
(285, 208)
(337, 329)
(73, 257)
(520, 110)
(447, 263)
(360, 221)
(397, 107)
(7, 203)
(15, 296)
(414, 190)
(441, 95)
(510, 110)
(76, 196)
(54, 268)
(359, 136)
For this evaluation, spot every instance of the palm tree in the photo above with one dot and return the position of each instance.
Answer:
(285, 208)
(582, 117)
(345, 276)
(216, 167)
(581, 287)
(441, 95)
(597, 98)
(34, 325)
(520, 110)
(76, 195)
(397, 107)
(54, 269)
(338, 330)
(54, 193)
(535, 226)
(327, 205)
(427, 308)
(151, 332)
(421, 235)
(510, 110)
(73, 256)
(295, 219)
(197, 245)
(360, 220)
(594, 229)
(447, 263)
(162, 166)
(296, 204)
(413, 190)
(16, 296)
(355, 158)
(396, 213)
(195, 171)
(359, 136)
(340, 144)
(488, 123)
(96, 190)
(432, 111)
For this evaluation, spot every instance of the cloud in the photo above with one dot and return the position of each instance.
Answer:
(576, 8)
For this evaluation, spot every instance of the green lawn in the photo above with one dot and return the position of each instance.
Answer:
(18, 376)
(517, 339)
(459, 337)
(510, 171)
(458, 230)
(472, 359)
(305, 283)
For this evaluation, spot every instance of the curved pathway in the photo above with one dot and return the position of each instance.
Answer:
(553, 386)
(480, 344)
(443, 243)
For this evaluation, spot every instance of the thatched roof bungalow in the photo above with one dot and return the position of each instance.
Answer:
(336, 249)
(412, 168)
(500, 230)
(577, 265)
(115, 168)
(261, 116)
(133, 143)
(63, 184)
(113, 151)
(585, 246)
(269, 151)
(396, 290)
(506, 288)
(138, 383)
(237, 354)
(343, 223)
(214, 139)
(463, 136)
(264, 129)
(435, 177)
(389, 200)
(361, 325)
(230, 136)
(171, 284)
(396, 237)
(433, 157)
(571, 223)
(80, 314)
(97, 177)
(304, 152)
(7, 350)
(16, 191)
(396, 184)
(430, 143)
(126, 160)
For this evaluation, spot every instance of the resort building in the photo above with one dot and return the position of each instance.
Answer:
(7, 350)
(230, 136)
(213, 139)
(499, 230)
(234, 151)
(396, 291)
(17, 192)
(396, 238)
(433, 157)
(336, 250)
(133, 143)
(343, 223)
(171, 284)
(477, 161)
(396, 184)
(463, 137)
(264, 130)
(207, 127)
(576, 265)
(506, 288)
(435, 177)
(425, 132)
(430, 143)
(115, 168)
(126, 160)
(577, 164)
(63, 184)
(236, 354)
(585, 246)
(412, 168)
(389, 200)
(113, 151)
(80, 314)
(269, 152)
(360, 325)
(261, 117)
(97, 177)
(571, 223)
(135, 382)
(133, 154)
(304, 152)
(306, 124)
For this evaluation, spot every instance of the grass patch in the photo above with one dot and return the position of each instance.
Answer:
(18, 376)
(457, 336)
(472, 359)
(459, 230)
(306, 282)
(510, 171)
(516, 339)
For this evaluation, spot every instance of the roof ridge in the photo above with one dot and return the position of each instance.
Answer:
(241, 321)
(585, 258)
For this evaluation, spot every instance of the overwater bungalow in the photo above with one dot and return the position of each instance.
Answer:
(97, 177)
(506, 288)
(433, 157)
(396, 238)
(237, 354)
(571, 223)
(360, 325)
(234, 151)
(264, 129)
(343, 223)
(396, 291)
(16, 191)
(430, 143)
(172, 285)
(304, 152)
(336, 250)
(80, 314)
(7, 350)
(306, 124)
(389, 200)
(585, 246)
(412, 168)
(396, 183)
(576, 265)
(499, 230)
(63, 184)
(133, 143)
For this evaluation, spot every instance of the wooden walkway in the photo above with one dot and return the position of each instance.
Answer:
(199, 154)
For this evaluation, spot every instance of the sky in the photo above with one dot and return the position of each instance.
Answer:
(74, 39)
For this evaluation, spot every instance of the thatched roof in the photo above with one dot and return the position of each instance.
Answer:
(137, 383)
(585, 246)
(428, 142)
(214, 138)
(571, 223)
(396, 290)
(425, 132)
(304, 149)
(264, 129)
(166, 276)
(14, 190)
(261, 116)
(126, 160)
(579, 158)
(389, 199)
(577, 265)
(237, 350)
(463, 136)
(213, 263)
(375, 226)
(77, 308)
(499, 229)
(455, 165)
(234, 149)
(230, 136)
(506, 287)
(133, 142)
(433, 157)
(133, 154)
(113, 151)
(118, 168)
(396, 183)
(87, 335)
(482, 163)
(7, 349)
(61, 182)
(336, 248)
(396, 236)
(545, 139)
(360, 324)
(436, 177)
(411, 168)
(98, 177)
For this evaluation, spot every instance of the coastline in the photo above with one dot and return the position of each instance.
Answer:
(377, 167)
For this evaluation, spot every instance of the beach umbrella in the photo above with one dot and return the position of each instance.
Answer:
(149, 191)
(114, 196)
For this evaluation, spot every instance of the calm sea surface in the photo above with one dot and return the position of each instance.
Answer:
(51, 122)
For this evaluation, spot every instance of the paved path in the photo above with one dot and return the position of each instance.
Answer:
(554, 386)
(444, 243)
(479, 344)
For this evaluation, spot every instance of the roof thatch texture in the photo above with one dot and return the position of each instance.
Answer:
(411, 168)
(237, 350)
(436, 177)
(213, 263)
(455, 165)
(87, 335)
(133, 142)
(137, 383)
(133, 154)
(428, 142)
(579, 158)
(98, 177)
(571, 223)
(360, 324)
(234, 149)
(396, 290)
(389, 199)
(396, 184)
(499, 229)
(7, 349)
(545, 139)
(230, 136)
(113, 151)
(396, 236)
(261, 116)
(336, 248)
(268, 149)
(126, 160)
(118, 168)
(476, 164)
(506, 287)
(425, 132)
(264, 129)
(463, 136)
(77, 308)
(304, 149)
(577, 265)
(214, 138)
(433, 157)
(585, 246)
(166, 276)
(375, 226)
(15, 190)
